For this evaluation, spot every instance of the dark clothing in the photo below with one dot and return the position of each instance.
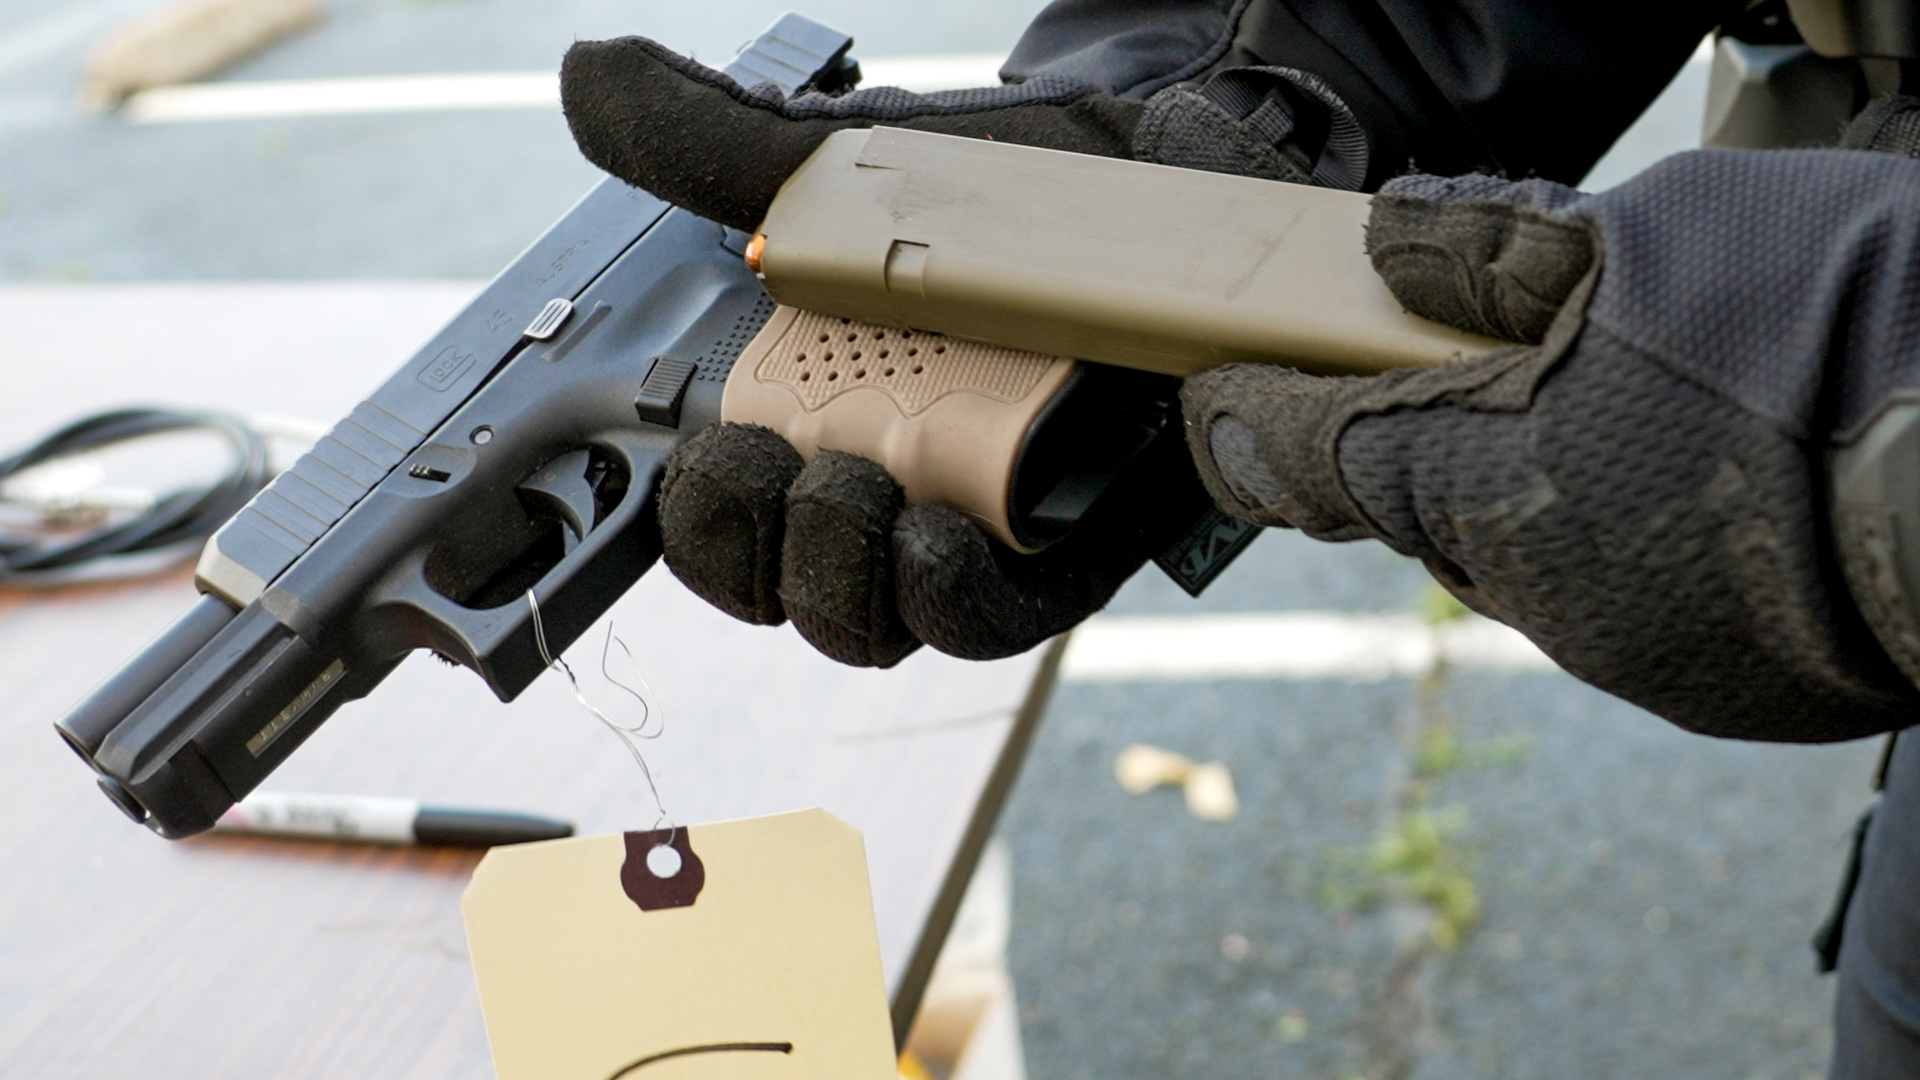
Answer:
(1519, 87)
(1877, 1010)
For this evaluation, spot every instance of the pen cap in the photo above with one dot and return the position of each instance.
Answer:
(484, 829)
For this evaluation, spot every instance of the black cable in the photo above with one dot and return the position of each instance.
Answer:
(181, 517)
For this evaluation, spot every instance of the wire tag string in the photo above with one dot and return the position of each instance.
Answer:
(630, 735)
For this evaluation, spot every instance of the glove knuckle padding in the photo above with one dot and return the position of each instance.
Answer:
(836, 578)
(722, 518)
(698, 139)
(1492, 267)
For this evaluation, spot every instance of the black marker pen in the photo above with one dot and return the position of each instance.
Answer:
(374, 820)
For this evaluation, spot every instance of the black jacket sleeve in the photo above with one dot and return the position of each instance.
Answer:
(1518, 87)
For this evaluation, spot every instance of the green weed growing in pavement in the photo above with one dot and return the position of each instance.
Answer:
(1414, 858)
(1438, 606)
(1437, 752)
(1417, 855)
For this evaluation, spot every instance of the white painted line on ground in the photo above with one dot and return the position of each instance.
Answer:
(288, 98)
(344, 97)
(1290, 645)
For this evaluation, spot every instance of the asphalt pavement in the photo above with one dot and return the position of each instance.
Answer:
(1468, 874)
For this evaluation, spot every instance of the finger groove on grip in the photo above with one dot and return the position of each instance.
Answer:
(948, 418)
(1489, 267)
(837, 579)
(723, 515)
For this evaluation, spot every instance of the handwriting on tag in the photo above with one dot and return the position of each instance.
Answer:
(751, 955)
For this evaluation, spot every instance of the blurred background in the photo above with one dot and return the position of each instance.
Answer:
(1439, 859)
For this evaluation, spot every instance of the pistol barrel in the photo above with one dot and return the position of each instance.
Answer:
(91, 721)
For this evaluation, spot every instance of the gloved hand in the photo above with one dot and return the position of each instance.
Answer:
(699, 140)
(867, 579)
(1639, 488)
(831, 545)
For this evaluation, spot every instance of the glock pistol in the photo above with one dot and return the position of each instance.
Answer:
(515, 456)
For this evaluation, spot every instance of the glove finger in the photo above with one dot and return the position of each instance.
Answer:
(970, 596)
(696, 138)
(722, 518)
(1263, 440)
(1480, 253)
(1266, 439)
(836, 567)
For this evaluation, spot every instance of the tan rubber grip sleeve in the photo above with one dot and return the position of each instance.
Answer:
(946, 417)
(1121, 262)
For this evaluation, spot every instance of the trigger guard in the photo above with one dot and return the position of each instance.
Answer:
(498, 642)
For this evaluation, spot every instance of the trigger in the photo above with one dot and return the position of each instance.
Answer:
(561, 488)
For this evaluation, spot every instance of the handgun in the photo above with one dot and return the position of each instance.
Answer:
(496, 495)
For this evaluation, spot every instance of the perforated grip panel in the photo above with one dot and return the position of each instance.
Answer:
(945, 417)
(820, 357)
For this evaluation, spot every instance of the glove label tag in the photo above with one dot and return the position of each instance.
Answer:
(1208, 548)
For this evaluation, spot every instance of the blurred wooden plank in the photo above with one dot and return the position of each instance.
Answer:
(121, 954)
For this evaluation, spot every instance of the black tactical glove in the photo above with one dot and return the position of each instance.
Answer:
(699, 140)
(1639, 490)
(831, 545)
(866, 579)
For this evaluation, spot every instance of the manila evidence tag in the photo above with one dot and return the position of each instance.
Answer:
(755, 958)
